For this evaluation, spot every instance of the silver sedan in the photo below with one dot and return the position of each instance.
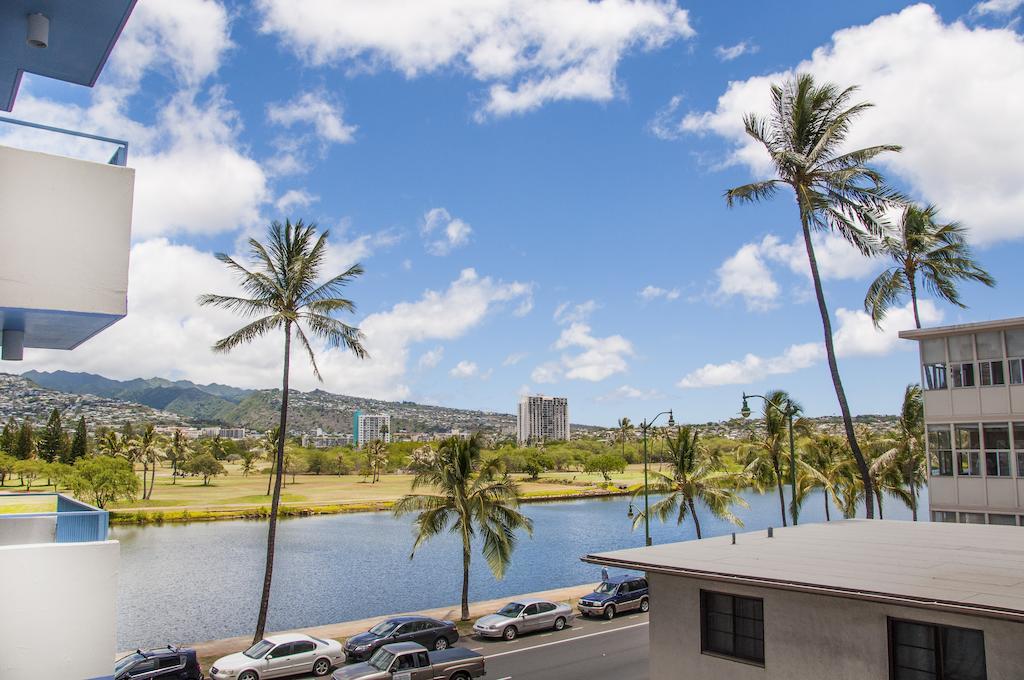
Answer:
(525, 615)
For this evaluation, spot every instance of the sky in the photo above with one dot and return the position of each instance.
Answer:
(534, 188)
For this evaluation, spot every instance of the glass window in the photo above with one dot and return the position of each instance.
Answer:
(943, 516)
(422, 659)
(961, 348)
(990, 345)
(997, 463)
(732, 626)
(924, 651)
(143, 667)
(972, 518)
(935, 376)
(546, 607)
(1016, 371)
(531, 609)
(171, 662)
(940, 450)
(968, 437)
(934, 351)
(1009, 520)
(997, 437)
(302, 647)
(991, 373)
(281, 650)
(1015, 342)
(970, 463)
(963, 375)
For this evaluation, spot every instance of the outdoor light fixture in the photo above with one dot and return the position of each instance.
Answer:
(38, 30)
(629, 513)
(745, 409)
(787, 411)
(644, 427)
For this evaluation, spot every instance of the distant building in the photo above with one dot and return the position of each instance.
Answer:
(320, 440)
(847, 599)
(371, 427)
(973, 384)
(232, 433)
(542, 419)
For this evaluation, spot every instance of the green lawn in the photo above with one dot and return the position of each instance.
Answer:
(17, 504)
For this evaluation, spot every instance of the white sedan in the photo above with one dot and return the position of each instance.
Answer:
(279, 656)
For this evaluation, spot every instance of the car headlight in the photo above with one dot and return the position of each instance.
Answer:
(362, 648)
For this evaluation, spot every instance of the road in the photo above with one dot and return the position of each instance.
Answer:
(588, 650)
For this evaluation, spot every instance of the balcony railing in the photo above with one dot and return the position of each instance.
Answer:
(49, 518)
(120, 156)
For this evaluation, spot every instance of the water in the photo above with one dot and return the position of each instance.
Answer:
(182, 583)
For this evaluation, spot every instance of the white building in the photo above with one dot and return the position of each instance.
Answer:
(973, 386)
(542, 419)
(371, 427)
(326, 441)
(849, 599)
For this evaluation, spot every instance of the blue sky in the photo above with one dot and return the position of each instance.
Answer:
(535, 189)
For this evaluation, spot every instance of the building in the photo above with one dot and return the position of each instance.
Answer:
(60, 603)
(320, 440)
(542, 419)
(371, 427)
(847, 599)
(973, 386)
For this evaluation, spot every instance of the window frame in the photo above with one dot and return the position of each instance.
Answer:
(940, 458)
(704, 645)
(936, 629)
(988, 379)
(957, 373)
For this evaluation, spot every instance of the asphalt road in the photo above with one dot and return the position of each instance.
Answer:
(590, 649)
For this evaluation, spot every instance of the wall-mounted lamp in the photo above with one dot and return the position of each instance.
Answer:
(38, 30)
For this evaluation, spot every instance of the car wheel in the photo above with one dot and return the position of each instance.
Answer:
(609, 612)
(321, 667)
(460, 676)
(510, 633)
(440, 643)
(249, 675)
(559, 623)
(645, 606)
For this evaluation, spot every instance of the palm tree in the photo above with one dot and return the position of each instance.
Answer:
(284, 294)
(148, 447)
(376, 457)
(111, 443)
(920, 245)
(469, 495)
(835, 191)
(626, 429)
(177, 452)
(825, 462)
(764, 456)
(693, 476)
(904, 456)
(268, 445)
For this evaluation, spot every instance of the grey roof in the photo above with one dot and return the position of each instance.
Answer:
(968, 568)
(402, 647)
(942, 331)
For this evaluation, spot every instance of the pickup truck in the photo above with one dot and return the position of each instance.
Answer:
(410, 661)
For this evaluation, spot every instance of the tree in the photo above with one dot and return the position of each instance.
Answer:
(769, 448)
(835, 190)
(268, 445)
(904, 455)
(826, 463)
(376, 457)
(53, 441)
(103, 480)
(24, 444)
(283, 293)
(29, 471)
(177, 453)
(148, 444)
(606, 464)
(694, 475)
(920, 246)
(111, 443)
(469, 496)
(79, 443)
(9, 437)
(249, 457)
(626, 429)
(204, 465)
(7, 464)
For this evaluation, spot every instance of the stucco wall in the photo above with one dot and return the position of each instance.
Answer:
(806, 636)
(58, 612)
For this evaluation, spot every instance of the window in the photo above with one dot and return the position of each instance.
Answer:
(422, 660)
(407, 662)
(146, 666)
(972, 518)
(923, 651)
(732, 626)
(990, 345)
(1016, 371)
(997, 450)
(281, 650)
(1015, 348)
(935, 376)
(546, 607)
(530, 610)
(303, 647)
(991, 373)
(171, 662)
(933, 357)
(626, 588)
(1018, 444)
(968, 443)
(963, 375)
(1009, 520)
(940, 450)
(943, 516)
(961, 348)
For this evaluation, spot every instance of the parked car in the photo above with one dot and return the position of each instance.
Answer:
(526, 615)
(430, 633)
(279, 656)
(410, 661)
(168, 663)
(614, 595)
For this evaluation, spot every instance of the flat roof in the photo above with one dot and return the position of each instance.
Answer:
(965, 568)
(941, 331)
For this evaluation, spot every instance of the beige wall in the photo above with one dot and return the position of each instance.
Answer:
(806, 636)
(58, 612)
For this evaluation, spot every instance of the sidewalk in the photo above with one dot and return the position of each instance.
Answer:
(214, 649)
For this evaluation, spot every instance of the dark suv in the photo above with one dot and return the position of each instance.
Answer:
(617, 594)
(430, 633)
(168, 663)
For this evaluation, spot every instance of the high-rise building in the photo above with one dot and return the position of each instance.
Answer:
(371, 427)
(973, 387)
(542, 419)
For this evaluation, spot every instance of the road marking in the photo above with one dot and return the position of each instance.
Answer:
(571, 639)
(507, 677)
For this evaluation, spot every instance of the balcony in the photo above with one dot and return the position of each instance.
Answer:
(29, 518)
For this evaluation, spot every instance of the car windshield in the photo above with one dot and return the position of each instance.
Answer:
(511, 610)
(127, 662)
(384, 628)
(606, 588)
(259, 650)
(381, 659)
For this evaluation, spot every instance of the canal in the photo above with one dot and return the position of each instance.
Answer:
(182, 583)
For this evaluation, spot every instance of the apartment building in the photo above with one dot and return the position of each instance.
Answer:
(542, 419)
(371, 427)
(847, 599)
(973, 383)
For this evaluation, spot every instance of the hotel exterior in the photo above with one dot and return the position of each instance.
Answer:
(371, 427)
(542, 419)
(972, 377)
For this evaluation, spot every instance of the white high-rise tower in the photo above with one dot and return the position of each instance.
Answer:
(543, 419)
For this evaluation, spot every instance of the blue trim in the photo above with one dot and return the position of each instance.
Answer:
(120, 156)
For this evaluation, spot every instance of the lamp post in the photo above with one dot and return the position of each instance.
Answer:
(788, 411)
(644, 426)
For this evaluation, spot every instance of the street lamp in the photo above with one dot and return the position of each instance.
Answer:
(788, 411)
(644, 426)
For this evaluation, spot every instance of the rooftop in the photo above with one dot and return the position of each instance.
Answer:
(942, 331)
(970, 569)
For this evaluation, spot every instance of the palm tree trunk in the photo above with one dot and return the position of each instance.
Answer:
(174, 470)
(878, 495)
(913, 299)
(270, 477)
(782, 495)
(828, 517)
(261, 619)
(913, 501)
(693, 514)
(466, 555)
(145, 477)
(830, 351)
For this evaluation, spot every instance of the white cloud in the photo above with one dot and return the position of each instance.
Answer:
(745, 274)
(931, 83)
(295, 198)
(514, 358)
(856, 336)
(529, 52)
(407, 264)
(464, 369)
(654, 292)
(735, 51)
(629, 393)
(997, 6)
(599, 358)
(547, 372)
(431, 358)
(315, 109)
(570, 313)
(452, 232)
